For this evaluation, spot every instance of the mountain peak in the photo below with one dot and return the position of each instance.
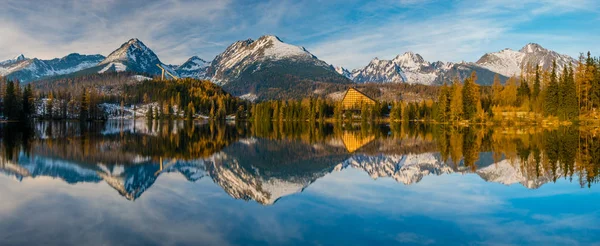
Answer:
(133, 41)
(20, 57)
(270, 37)
(532, 48)
(409, 56)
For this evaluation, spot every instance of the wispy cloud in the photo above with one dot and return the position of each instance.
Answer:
(347, 33)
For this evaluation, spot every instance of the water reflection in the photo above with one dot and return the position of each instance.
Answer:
(267, 162)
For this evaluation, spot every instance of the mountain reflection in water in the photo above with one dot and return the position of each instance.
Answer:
(264, 163)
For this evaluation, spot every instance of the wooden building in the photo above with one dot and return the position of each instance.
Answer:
(354, 99)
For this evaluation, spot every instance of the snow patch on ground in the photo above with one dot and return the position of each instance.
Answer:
(249, 96)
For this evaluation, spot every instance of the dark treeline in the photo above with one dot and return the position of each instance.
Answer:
(18, 103)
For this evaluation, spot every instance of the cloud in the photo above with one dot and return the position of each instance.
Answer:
(347, 33)
(464, 32)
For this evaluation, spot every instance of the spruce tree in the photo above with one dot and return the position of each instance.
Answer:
(27, 102)
(551, 100)
(536, 83)
(10, 102)
(470, 94)
(569, 102)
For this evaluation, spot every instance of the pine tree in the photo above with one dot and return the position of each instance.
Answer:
(551, 100)
(470, 97)
(536, 83)
(569, 104)
(594, 93)
(523, 93)
(10, 102)
(27, 102)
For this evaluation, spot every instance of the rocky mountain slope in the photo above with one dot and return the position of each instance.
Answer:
(406, 68)
(268, 68)
(195, 67)
(509, 62)
(26, 69)
(132, 56)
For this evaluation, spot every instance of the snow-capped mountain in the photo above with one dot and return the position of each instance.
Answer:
(343, 71)
(507, 173)
(463, 70)
(194, 67)
(406, 169)
(26, 69)
(509, 62)
(406, 68)
(241, 55)
(132, 56)
(258, 66)
(381, 71)
(18, 58)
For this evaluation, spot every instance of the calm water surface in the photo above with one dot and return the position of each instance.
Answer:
(177, 183)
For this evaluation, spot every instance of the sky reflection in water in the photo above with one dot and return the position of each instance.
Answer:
(260, 189)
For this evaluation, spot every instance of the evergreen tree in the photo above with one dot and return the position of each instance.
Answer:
(536, 83)
(523, 93)
(470, 97)
(10, 102)
(27, 102)
(551, 100)
(569, 104)
(594, 85)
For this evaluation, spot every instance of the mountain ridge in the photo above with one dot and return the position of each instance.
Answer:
(268, 68)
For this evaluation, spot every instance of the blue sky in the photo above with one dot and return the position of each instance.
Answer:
(341, 32)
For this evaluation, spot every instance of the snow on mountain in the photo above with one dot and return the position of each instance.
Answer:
(239, 183)
(507, 173)
(18, 58)
(230, 64)
(135, 56)
(26, 69)
(419, 71)
(406, 68)
(406, 169)
(509, 62)
(342, 71)
(194, 67)
(382, 71)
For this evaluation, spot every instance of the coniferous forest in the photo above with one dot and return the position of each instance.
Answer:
(548, 96)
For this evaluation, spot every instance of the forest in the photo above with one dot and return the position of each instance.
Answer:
(536, 96)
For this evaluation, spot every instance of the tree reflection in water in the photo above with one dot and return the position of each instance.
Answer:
(268, 161)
